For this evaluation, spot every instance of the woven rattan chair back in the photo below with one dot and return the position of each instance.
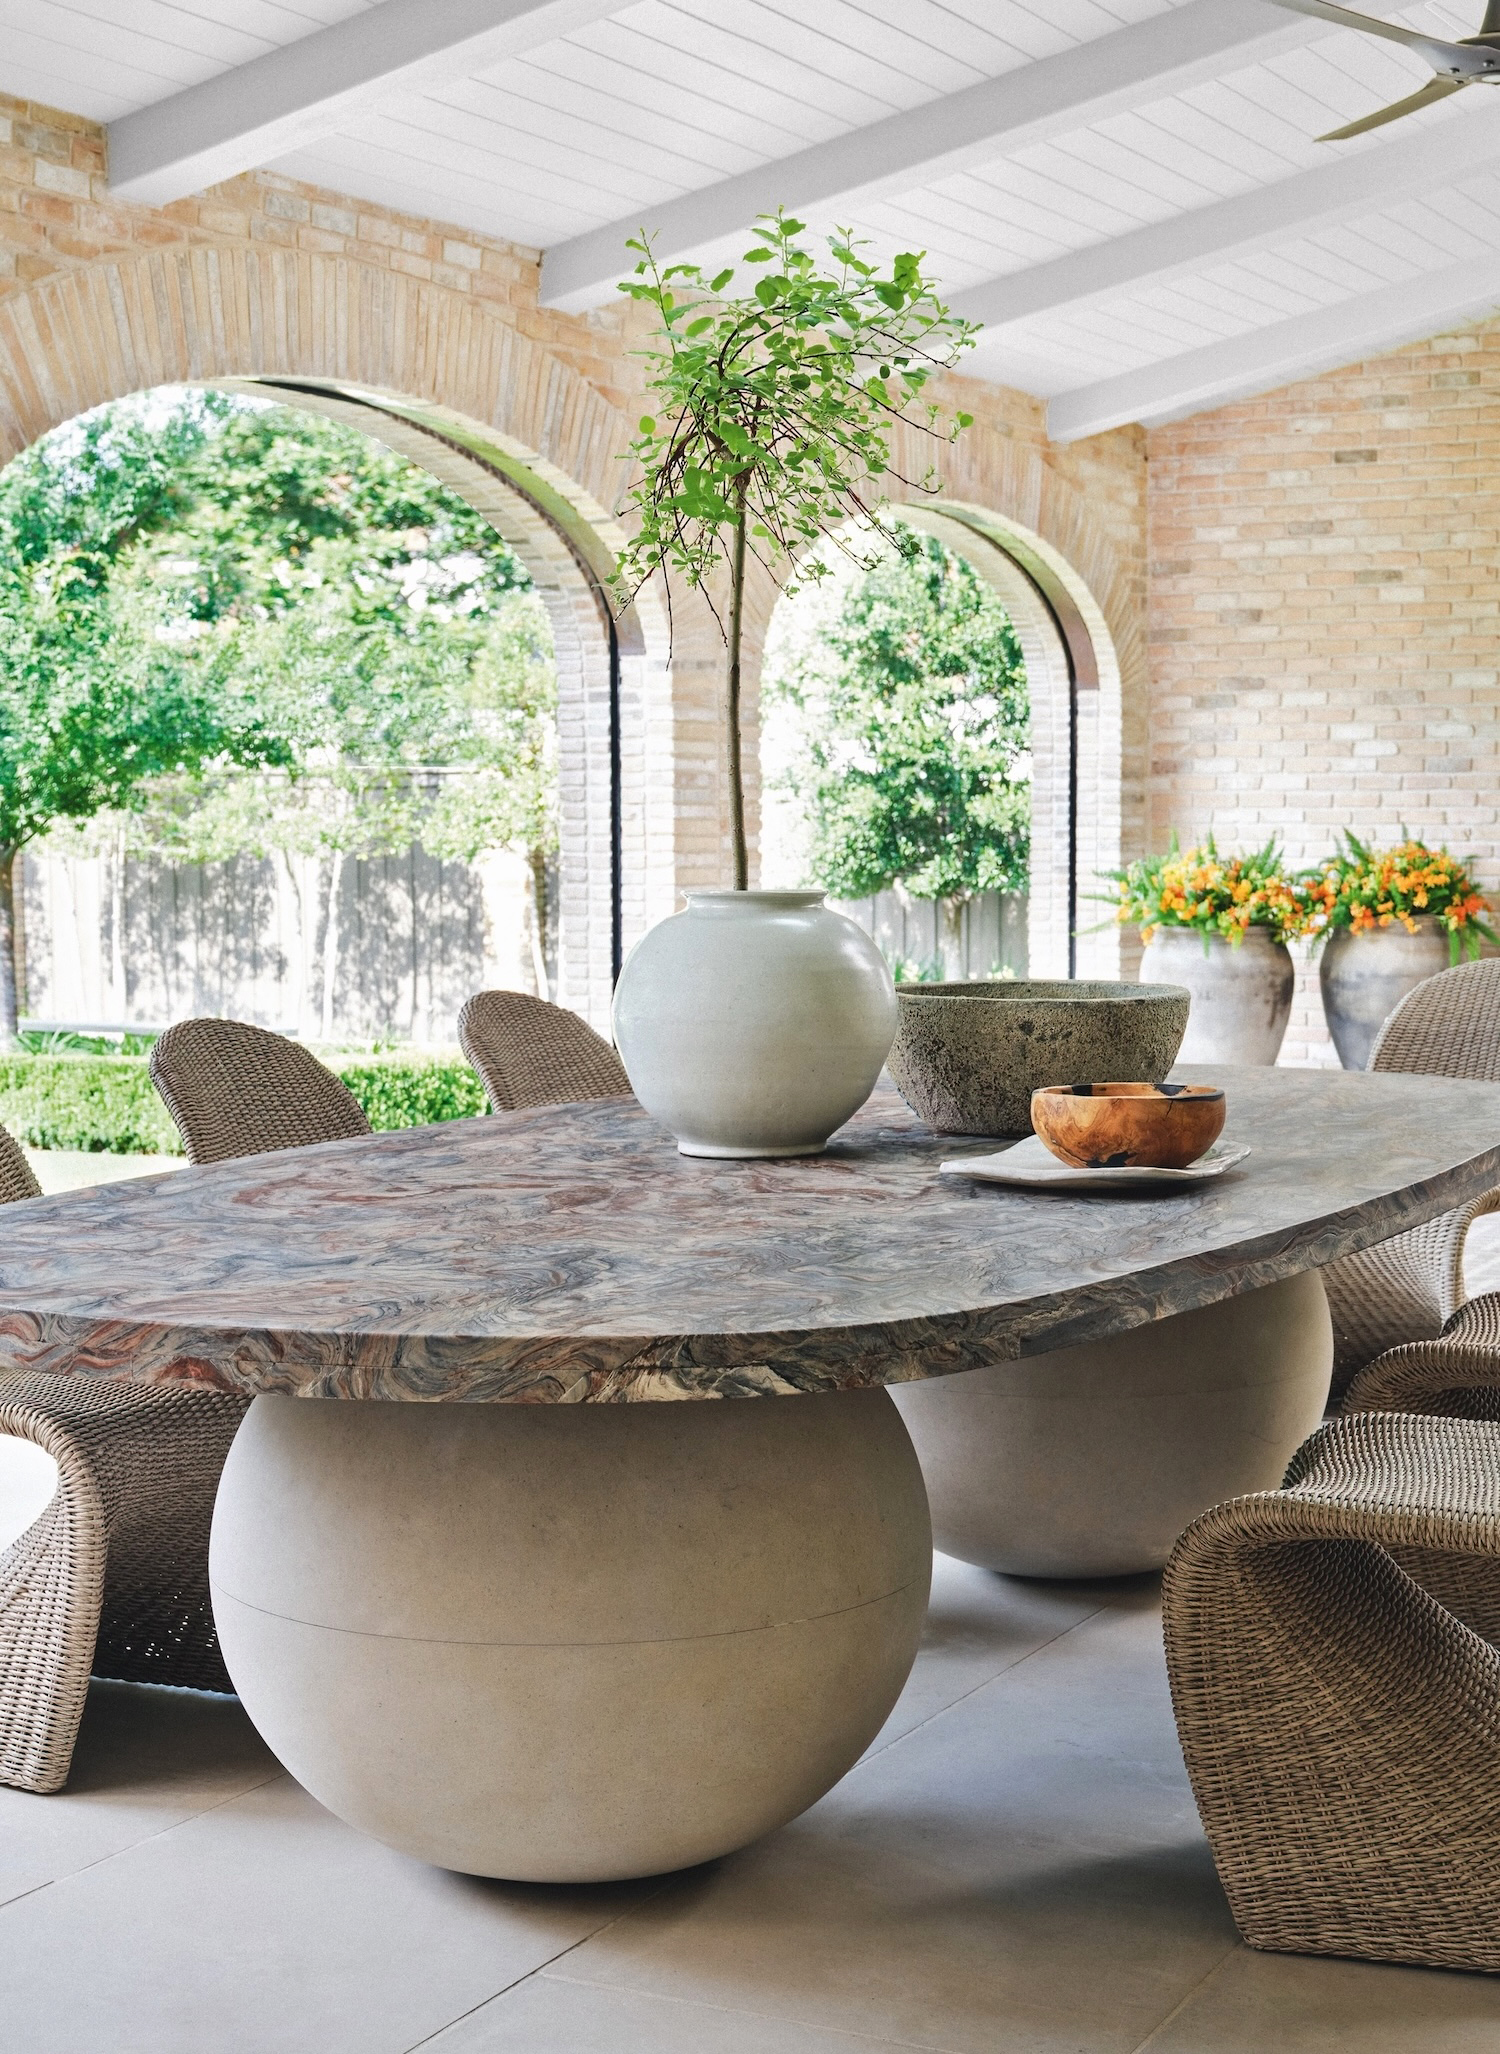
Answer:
(1448, 1027)
(239, 1090)
(529, 1052)
(1404, 1290)
(16, 1179)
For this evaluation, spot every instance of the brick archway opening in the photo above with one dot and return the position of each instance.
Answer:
(459, 390)
(1074, 684)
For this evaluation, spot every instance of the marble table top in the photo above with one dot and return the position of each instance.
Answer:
(571, 1254)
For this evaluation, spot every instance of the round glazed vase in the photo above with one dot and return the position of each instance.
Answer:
(1366, 976)
(755, 1023)
(968, 1056)
(1242, 997)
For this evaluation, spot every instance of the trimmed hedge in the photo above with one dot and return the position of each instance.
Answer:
(400, 1090)
(108, 1104)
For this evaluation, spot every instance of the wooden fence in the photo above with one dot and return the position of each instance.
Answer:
(355, 948)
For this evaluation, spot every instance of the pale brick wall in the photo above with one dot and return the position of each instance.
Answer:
(1325, 615)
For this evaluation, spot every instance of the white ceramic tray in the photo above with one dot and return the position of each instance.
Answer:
(1031, 1164)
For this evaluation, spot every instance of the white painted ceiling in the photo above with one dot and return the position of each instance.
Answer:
(1143, 234)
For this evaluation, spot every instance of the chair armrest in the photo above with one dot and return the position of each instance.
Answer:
(1457, 1376)
(1399, 1481)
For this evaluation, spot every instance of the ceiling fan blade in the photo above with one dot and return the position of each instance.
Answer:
(1490, 26)
(1461, 60)
(1436, 89)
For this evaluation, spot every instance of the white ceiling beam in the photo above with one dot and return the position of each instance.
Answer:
(1092, 82)
(1369, 324)
(1346, 186)
(259, 111)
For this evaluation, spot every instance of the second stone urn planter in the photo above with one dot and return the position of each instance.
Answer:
(1241, 996)
(1365, 976)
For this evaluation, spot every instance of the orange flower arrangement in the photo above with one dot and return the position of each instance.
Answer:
(1211, 893)
(1366, 889)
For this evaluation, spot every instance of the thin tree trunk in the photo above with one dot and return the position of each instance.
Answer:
(331, 941)
(119, 995)
(19, 948)
(951, 939)
(537, 922)
(298, 992)
(736, 636)
(10, 995)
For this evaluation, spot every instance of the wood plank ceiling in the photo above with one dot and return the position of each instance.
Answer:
(1126, 191)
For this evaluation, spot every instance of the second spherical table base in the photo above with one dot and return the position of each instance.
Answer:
(1090, 1461)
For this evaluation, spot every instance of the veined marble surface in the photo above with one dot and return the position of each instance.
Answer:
(571, 1254)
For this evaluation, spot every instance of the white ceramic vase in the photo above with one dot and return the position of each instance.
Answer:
(754, 1023)
(1242, 997)
(1364, 978)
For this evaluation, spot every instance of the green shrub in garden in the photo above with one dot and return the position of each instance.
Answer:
(99, 1103)
(410, 1090)
(107, 1104)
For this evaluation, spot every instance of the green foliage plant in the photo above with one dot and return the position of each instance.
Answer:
(913, 756)
(92, 709)
(1209, 893)
(773, 417)
(1364, 890)
(228, 628)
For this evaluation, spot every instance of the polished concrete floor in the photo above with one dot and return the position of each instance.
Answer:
(1015, 1866)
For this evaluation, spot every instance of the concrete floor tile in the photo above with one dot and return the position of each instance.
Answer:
(1301, 2004)
(1045, 1956)
(267, 1927)
(146, 1760)
(549, 2014)
(1023, 1873)
(1074, 1748)
(979, 1624)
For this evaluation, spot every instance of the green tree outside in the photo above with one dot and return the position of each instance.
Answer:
(911, 751)
(231, 628)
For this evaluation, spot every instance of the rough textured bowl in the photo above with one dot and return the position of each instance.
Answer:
(967, 1057)
(1119, 1126)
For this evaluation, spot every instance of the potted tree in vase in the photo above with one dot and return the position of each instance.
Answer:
(755, 1023)
(1219, 925)
(1386, 921)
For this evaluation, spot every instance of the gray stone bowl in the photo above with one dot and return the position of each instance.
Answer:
(967, 1057)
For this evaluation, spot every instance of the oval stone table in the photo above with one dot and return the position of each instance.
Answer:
(523, 1624)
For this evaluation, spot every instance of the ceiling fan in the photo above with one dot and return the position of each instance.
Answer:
(1467, 61)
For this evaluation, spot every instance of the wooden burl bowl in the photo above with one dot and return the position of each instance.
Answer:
(1138, 1126)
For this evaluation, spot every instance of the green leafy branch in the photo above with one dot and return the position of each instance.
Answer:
(775, 412)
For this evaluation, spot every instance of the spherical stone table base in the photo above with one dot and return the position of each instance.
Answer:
(1090, 1461)
(570, 1643)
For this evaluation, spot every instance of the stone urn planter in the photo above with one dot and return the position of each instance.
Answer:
(1241, 997)
(1365, 976)
(754, 1023)
(967, 1057)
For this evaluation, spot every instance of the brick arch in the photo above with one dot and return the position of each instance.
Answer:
(223, 315)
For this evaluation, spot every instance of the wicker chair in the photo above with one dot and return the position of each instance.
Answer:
(239, 1090)
(1407, 1288)
(1456, 1376)
(528, 1052)
(16, 1178)
(112, 1577)
(1340, 1719)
